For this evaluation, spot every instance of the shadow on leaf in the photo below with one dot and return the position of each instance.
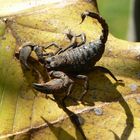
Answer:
(101, 89)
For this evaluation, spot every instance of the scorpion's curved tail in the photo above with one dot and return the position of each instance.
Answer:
(103, 23)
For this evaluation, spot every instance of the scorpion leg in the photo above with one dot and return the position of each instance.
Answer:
(83, 38)
(74, 42)
(72, 37)
(68, 92)
(56, 45)
(86, 85)
(105, 70)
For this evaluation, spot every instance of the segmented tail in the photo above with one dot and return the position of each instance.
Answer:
(103, 23)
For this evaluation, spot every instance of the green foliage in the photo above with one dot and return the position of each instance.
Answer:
(117, 15)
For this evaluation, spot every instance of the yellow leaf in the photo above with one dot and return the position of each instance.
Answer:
(112, 111)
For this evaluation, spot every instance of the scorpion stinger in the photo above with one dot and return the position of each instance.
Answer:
(104, 36)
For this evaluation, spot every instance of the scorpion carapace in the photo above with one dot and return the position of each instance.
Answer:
(76, 59)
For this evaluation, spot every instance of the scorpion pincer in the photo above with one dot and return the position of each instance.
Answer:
(60, 82)
(77, 59)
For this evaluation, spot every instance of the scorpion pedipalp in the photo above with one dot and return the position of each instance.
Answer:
(49, 87)
(26, 50)
(59, 82)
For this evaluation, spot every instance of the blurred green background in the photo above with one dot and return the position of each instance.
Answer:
(116, 13)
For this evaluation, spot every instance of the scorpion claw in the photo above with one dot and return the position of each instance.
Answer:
(24, 54)
(40, 87)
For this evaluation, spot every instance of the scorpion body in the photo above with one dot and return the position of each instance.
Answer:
(76, 59)
(82, 58)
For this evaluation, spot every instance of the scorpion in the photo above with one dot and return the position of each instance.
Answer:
(75, 60)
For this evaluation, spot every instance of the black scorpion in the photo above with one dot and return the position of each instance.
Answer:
(77, 59)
